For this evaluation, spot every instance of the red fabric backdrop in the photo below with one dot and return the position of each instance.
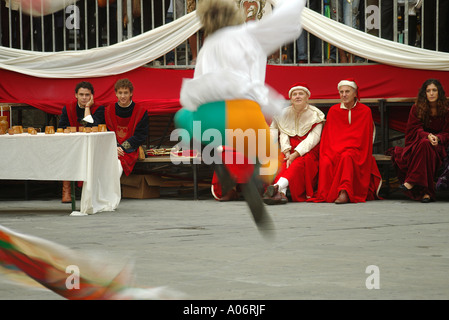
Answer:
(375, 81)
(158, 89)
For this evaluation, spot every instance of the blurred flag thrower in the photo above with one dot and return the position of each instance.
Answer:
(228, 91)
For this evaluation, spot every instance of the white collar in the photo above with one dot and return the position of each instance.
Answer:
(342, 106)
(126, 106)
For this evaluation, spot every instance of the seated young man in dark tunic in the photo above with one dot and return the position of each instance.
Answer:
(129, 121)
(82, 112)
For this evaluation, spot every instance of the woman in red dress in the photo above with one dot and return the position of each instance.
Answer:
(426, 141)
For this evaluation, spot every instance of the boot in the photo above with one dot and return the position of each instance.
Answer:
(66, 192)
(342, 197)
(273, 196)
(232, 195)
(252, 197)
(226, 181)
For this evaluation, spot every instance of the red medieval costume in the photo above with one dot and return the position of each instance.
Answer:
(346, 160)
(130, 125)
(300, 132)
(418, 161)
(72, 116)
(240, 169)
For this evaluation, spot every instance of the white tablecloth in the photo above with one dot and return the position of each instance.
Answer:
(88, 157)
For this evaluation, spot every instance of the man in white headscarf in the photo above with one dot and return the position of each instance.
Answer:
(348, 171)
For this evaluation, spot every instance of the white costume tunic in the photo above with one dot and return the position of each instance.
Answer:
(232, 62)
(303, 127)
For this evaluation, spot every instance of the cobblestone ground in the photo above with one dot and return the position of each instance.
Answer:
(387, 249)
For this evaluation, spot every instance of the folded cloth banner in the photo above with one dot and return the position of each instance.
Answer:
(103, 61)
(371, 47)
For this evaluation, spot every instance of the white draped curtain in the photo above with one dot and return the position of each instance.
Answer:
(140, 50)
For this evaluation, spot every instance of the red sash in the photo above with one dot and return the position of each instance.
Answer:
(124, 129)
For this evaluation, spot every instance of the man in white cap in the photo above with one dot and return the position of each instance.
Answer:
(348, 171)
(299, 127)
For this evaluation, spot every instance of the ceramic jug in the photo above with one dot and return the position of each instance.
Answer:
(4, 125)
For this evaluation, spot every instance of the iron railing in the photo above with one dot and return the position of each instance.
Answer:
(88, 24)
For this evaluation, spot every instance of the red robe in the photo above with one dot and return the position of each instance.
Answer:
(418, 161)
(302, 174)
(240, 170)
(73, 117)
(124, 129)
(346, 160)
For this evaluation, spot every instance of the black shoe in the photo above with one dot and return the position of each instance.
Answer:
(271, 191)
(232, 195)
(261, 217)
(225, 179)
(426, 200)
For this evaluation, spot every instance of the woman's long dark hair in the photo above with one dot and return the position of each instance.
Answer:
(423, 106)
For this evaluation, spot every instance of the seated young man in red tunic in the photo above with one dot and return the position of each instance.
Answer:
(80, 112)
(347, 170)
(130, 123)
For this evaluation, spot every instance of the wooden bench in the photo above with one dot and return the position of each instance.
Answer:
(162, 125)
(159, 132)
(160, 129)
(381, 158)
(167, 161)
(383, 106)
(384, 163)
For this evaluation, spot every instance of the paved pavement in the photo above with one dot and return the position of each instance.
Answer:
(211, 250)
